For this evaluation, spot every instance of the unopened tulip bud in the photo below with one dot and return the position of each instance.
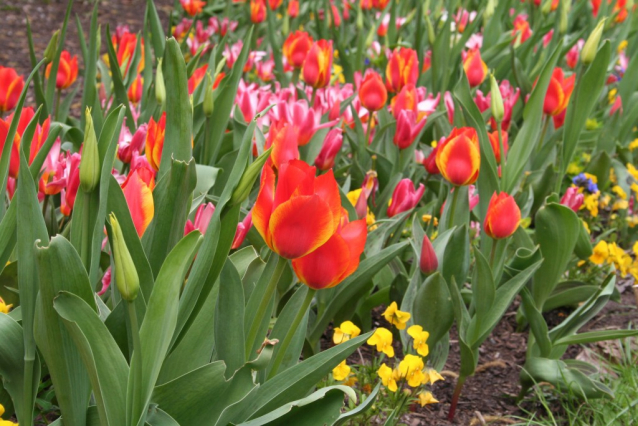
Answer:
(564, 16)
(428, 261)
(547, 7)
(498, 110)
(52, 47)
(591, 45)
(503, 216)
(208, 106)
(489, 10)
(90, 163)
(431, 36)
(360, 20)
(248, 178)
(126, 278)
(160, 88)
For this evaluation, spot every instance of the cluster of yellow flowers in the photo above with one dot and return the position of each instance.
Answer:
(4, 308)
(5, 422)
(353, 197)
(611, 253)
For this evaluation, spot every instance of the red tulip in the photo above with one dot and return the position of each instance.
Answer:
(69, 193)
(203, 215)
(372, 93)
(296, 48)
(521, 29)
(25, 117)
(430, 162)
(380, 4)
(503, 216)
(402, 69)
(293, 8)
(407, 129)
(496, 146)
(428, 261)
(196, 78)
(138, 191)
(335, 260)
(155, 141)
(11, 85)
(407, 98)
(558, 93)
(242, 230)
(296, 212)
(67, 70)
(193, 7)
(331, 147)
(126, 149)
(404, 197)
(474, 67)
(317, 67)
(274, 4)
(257, 11)
(125, 44)
(572, 198)
(459, 158)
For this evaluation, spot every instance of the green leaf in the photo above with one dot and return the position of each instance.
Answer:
(433, 308)
(105, 363)
(229, 320)
(118, 81)
(483, 287)
(365, 405)
(569, 293)
(456, 257)
(596, 336)
(89, 91)
(537, 323)
(50, 89)
(60, 269)
(160, 320)
(157, 33)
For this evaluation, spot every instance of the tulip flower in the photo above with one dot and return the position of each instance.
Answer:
(459, 158)
(11, 85)
(503, 216)
(242, 230)
(202, 219)
(404, 197)
(496, 146)
(331, 147)
(257, 11)
(521, 31)
(317, 67)
(430, 162)
(196, 78)
(274, 4)
(136, 144)
(407, 129)
(136, 89)
(407, 98)
(428, 261)
(67, 71)
(138, 191)
(296, 48)
(14, 164)
(53, 179)
(68, 194)
(125, 45)
(193, 7)
(402, 69)
(305, 119)
(283, 138)
(372, 93)
(335, 260)
(155, 141)
(39, 137)
(296, 212)
(293, 8)
(573, 198)
(380, 4)
(558, 93)
(474, 67)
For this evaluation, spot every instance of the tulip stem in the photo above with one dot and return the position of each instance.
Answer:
(283, 346)
(493, 252)
(455, 196)
(137, 353)
(455, 397)
(57, 104)
(369, 128)
(501, 146)
(263, 305)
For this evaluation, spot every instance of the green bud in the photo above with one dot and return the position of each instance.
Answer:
(90, 162)
(498, 110)
(431, 36)
(285, 28)
(489, 10)
(52, 47)
(360, 19)
(563, 22)
(98, 41)
(126, 278)
(248, 178)
(547, 7)
(160, 88)
(220, 66)
(591, 45)
(209, 105)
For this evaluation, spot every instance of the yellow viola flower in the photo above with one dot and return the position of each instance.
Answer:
(635, 249)
(341, 371)
(350, 381)
(433, 144)
(601, 253)
(616, 189)
(396, 317)
(634, 188)
(574, 168)
(620, 205)
(353, 197)
(346, 331)
(612, 176)
(411, 368)
(633, 171)
(420, 338)
(5, 422)
(426, 398)
(592, 124)
(586, 226)
(611, 96)
(633, 145)
(591, 203)
(632, 221)
(388, 377)
(431, 376)
(591, 177)
(604, 201)
(382, 339)
(622, 46)
(4, 309)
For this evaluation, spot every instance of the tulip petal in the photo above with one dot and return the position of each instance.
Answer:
(326, 187)
(324, 267)
(264, 204)
(354, 234)
(140, 203)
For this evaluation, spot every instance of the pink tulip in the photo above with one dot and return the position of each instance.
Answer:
(331, 147)
(407, 128)
(572, 198)
(242, 230)
(202, 219)
(404, 197)
(428, 262)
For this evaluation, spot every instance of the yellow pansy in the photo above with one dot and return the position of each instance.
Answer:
(592, 124)
(622, 46)
(604, 201)
(591, 203)
(396, 317)
(388, 377)
(420, 338)
(346, 331)
(382, 339)
(611, 96)
(5, 422)
(431, 376)
(426, 398)
(601, 253)
(612, 176)
(634, 187)
(620, 205)
(341, 371)
(635, 249)
(631, 169)
(574, 168)
(632, 220)
(353, 197)
(616, 189)
(586, 226)
(350, 381)
(411, 368)
(633, 145)
(4, 309)
(591, 177)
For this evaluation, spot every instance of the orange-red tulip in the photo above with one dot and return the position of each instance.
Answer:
(459, 158)
(293, 8)
(430, 162)
(283, 138)
(196, 78)
(296, 212)
(406, 99)
(25, 117)
(372, 93)
(67, 70)
(257, 11)
(193, 7)
(155, 141)
(474, 67)
(296, 48)
(521, 29)
(138, 191)
(402, 69)
(11, 85)
(558, 93)
(274, 4)
(136, 89)
(317, 67)
(126, 48)
(496, 146)
(335, 260)
(380, 4)
(503, 216)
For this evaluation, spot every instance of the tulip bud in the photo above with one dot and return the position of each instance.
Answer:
(90, 163)
(52, 47)
(591, 45)
(209, 106)
(428, 261)
(489, 10)
(126, 278)
(547, 7)
(160, 88)
(503, 216)
(564, 16)
(431, 36)
(498, 110)
(248, 178)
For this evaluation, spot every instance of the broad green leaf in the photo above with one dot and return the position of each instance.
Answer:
(569, 293)
(157, 33)
(537, 324)
(229, 320)
(433, 308)
(596, 336)
(365, 405)
(456, 257)
(89, 91)
(483, 288)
